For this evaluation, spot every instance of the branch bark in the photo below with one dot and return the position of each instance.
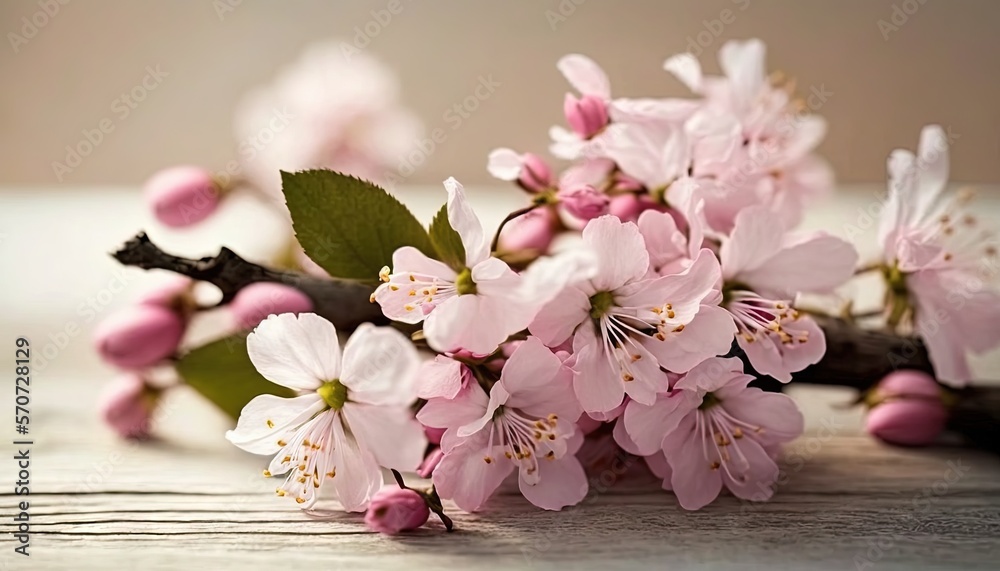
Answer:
(344, 302)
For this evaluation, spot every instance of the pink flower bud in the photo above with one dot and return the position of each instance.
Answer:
(584, 202)
(256, 301)
(907, 409)
(628, 207)
(182, 196)
(430, 462)
(393, 510)
(127, 406)
(532, 231)
(586, 115)
(535, 174)
(139, 336)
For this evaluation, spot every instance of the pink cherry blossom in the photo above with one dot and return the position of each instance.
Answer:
(774, 164)
(526, 423)
(712, 430)
(353, 414)
(938, 260)
(477, 307)
(325, 110)
(764, 268)
(626, 326)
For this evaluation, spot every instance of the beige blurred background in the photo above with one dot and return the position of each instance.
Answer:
(937, 63)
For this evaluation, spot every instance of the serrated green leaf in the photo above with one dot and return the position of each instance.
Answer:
(350, 227)
(222, 372)
(446, 240)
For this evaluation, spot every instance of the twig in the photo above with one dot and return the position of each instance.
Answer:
(343, 302)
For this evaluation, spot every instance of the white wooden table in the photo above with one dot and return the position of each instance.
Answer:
(191, 500)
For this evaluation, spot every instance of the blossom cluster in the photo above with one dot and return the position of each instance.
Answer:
(636, 299)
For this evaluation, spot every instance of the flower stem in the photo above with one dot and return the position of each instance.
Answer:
(511, 216)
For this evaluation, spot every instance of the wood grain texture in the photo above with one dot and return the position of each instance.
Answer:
(191, 501)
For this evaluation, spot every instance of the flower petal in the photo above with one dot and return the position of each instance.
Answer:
(694, 481)
(620, 250)
(585, 75)
(267, 419)
(933, 164)
(557, 320)
(380, 366)
(754, 240)
(358, 476)
(597, 386)
(775, 414)
(390, 434)
(441, 377)
(755, 469)
(538, 383)
(465, 478)
(709, 334)
(468, 405)
(560, 483)
(295, 351)
(816, 264)
(648, 424)
(464, 221)
(504, 164)
(475, 323)
(686, 68)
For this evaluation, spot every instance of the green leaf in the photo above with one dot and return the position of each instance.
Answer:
(222, 372)
(446, 241)
(350, 227)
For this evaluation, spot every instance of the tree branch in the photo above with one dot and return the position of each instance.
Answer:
(855, 357)
(344, 302)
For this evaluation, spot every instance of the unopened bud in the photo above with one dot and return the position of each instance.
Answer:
(255, 302)
(182, 196)
(906, 409)
(587, 116)
(139, 336)
(394, 510)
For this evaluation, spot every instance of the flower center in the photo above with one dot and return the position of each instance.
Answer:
(600, 303)
(334, 394)
(709, 401)
(464, 284)
(526, 439)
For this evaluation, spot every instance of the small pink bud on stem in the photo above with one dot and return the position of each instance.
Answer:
(139, 336)
(584, 201)
(127, 406)
(255, 302)
(395, 510)
(182, 196)
(587, 116)
(907, 409)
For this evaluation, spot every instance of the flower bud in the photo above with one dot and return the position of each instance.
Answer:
(139, 336)
(393, 510)
(586, 115)
(255, 302)
(906, 409)
(584, 202)
(532, 231)
(127, 406)
(182, 196)
(535, 174)
(528, 169)
(629, 206)
(430, 462)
